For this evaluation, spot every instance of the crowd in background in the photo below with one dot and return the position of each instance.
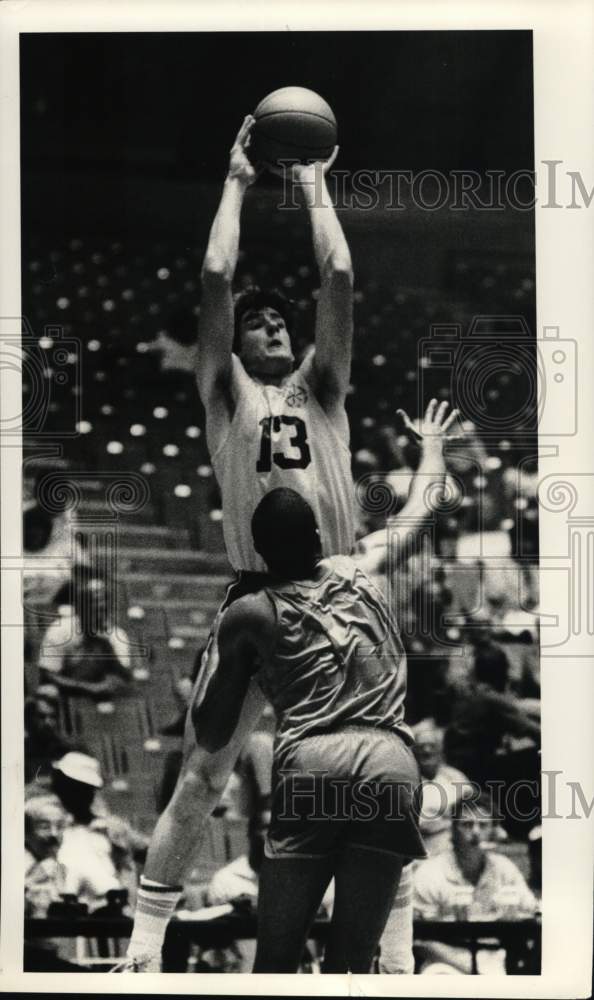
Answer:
(466, 599)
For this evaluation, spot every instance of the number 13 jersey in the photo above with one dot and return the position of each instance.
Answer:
(280, 437)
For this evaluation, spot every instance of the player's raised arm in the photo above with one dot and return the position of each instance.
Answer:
(429, 479)
(425, 491)
(334, 316)
(215, 329)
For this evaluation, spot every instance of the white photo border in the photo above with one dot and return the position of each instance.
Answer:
(564, 111)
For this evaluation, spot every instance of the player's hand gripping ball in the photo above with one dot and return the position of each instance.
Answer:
(294, 124)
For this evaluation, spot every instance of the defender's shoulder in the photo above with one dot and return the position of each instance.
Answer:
(252, 612)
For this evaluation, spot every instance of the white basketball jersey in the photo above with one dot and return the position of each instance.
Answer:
(280, 437)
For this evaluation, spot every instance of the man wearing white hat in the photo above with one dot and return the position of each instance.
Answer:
(85, 852)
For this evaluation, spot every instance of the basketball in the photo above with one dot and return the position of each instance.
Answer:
(292, 123)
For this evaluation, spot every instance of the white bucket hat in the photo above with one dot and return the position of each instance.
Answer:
(80, 767)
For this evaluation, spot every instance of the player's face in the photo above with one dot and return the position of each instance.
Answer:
(265, 342)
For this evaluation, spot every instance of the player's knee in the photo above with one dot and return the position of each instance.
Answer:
(198, 791)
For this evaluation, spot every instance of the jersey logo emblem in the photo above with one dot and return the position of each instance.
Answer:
(296, 395)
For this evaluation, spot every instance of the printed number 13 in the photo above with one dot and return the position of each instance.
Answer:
(272, 425)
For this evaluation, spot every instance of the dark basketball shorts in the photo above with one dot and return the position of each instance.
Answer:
(358, 787)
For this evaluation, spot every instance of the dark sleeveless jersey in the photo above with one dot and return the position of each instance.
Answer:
(339, 660)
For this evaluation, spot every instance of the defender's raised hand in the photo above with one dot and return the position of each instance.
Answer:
(434, 425)
(239, 164)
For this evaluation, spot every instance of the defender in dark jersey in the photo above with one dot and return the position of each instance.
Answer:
(321, 643)
(180, 835)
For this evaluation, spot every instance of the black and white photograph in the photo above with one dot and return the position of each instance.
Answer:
(290, 408)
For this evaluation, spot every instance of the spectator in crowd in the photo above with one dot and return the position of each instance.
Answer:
(485, 716)
(97, 849)
(238, 880)
(484, 710)
(51, 551)
(468, 882)
(45, 875)
(45, 881)
(83, 653)
(444, 787)
(43, 742)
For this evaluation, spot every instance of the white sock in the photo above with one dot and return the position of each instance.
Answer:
(155, 903)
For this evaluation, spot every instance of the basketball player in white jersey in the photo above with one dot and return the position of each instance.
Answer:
(267, 424)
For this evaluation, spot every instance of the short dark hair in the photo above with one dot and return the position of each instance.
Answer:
(471, 805)
(286, 535)
(255, 297)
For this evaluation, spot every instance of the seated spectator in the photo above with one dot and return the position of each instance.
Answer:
(484, 712)
(51, 552)
(443, 787)
(485, 719)
(90, 845)
(467, 882)
(43, 742)
(45, 875)
(82, 652)
(238, 880)
(45, 881)
(128, 851)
